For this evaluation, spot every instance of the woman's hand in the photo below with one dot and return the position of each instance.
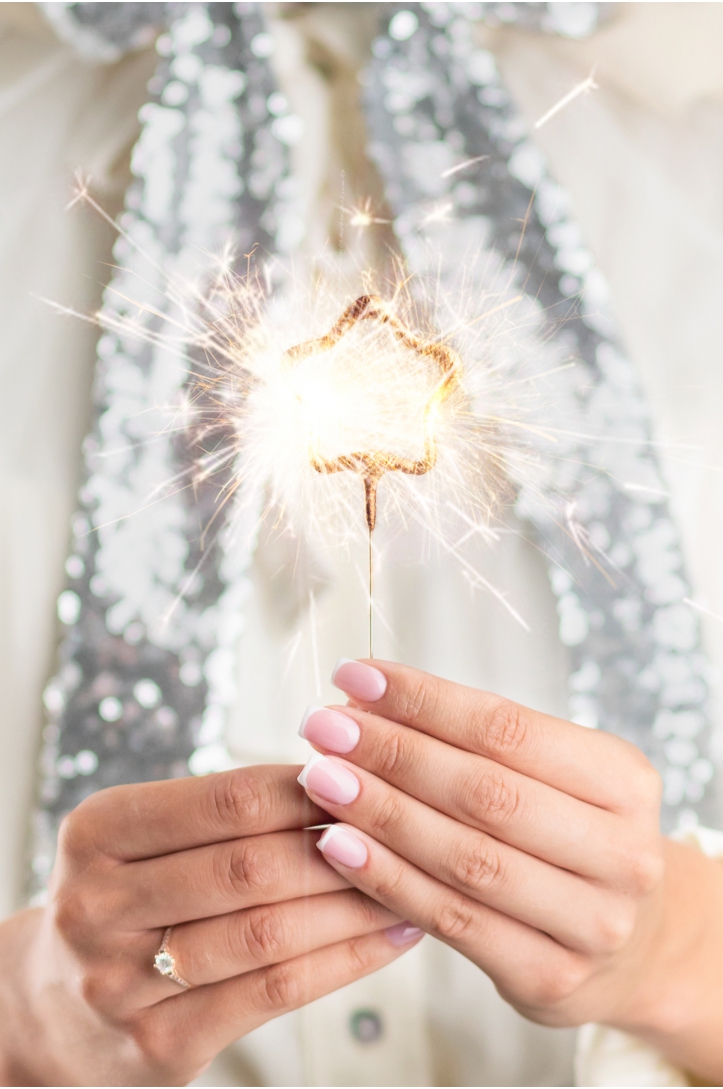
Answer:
(225, 861)
(529, 844)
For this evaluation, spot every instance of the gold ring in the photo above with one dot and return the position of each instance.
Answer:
(165, 964)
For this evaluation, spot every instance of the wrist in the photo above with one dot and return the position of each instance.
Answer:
(674, 981)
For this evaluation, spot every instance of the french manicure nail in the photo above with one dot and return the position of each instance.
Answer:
(329, 781)
(359, 680)
(344, 847)
(329, 729)
(402, 933)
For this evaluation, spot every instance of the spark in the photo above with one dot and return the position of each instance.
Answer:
(463, 166)
(292, 648)
(489, 313)
(644, 488)
(440, 213)
(363, 215)
(582, 88)
(81, 192)
(702, 609)
(475, 528)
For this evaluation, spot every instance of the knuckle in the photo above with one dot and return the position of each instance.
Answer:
(504, 729)
(455, 920)
(645, 871)
(74, 832)
(393, 757)
(546, 990)
(649, 783)
(387, 811)
(104, 988)
(282, 987)
(91, 986)
(72, 910)
(159, 1047)
(640, 786)
(389, 887)
(68, 833)
(478, 867)
(494, 797)
(239, 801)
(248, 869)
(419, 699)
(367, 911)
(361, 956)
(78, 834)
(613, 930)
(264, 934)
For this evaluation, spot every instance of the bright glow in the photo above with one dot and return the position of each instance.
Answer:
(437, 398)
(381, 401)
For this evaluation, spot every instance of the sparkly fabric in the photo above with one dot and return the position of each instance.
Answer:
(575, 20)
(435, 100)
(147, 664)
(146, 667)
(104, 32)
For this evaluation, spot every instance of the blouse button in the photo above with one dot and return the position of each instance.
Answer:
(366, 1026)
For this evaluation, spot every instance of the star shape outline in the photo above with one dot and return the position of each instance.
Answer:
(371, 465)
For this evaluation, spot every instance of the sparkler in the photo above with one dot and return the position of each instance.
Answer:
(426, 383)
(372, 464)
(432, 388)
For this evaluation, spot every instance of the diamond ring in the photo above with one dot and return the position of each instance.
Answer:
(164, 962)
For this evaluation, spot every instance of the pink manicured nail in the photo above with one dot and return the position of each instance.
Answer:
(360, 681)
(403, 933)
(329, 729)
(344, 847)
(329, 781)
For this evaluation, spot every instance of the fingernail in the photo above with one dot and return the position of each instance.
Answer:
(344, 847)
(329, 781)
(403, 933)
(359, 680)
(329, 729)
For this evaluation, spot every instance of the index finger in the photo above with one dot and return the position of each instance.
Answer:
(146, 820)
(593, 766)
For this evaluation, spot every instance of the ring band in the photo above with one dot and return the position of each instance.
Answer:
(165, 964)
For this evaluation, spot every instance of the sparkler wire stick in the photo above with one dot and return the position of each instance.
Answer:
(371, 594)
(371, 465)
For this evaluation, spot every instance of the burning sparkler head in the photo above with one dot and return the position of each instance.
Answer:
(373, 427)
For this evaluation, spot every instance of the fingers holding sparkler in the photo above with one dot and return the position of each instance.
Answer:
(489, 874)
(503, 946)
(529, 844)
(598, 768)
(518, 810)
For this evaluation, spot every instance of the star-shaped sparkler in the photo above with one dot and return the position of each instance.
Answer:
(372, 464)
